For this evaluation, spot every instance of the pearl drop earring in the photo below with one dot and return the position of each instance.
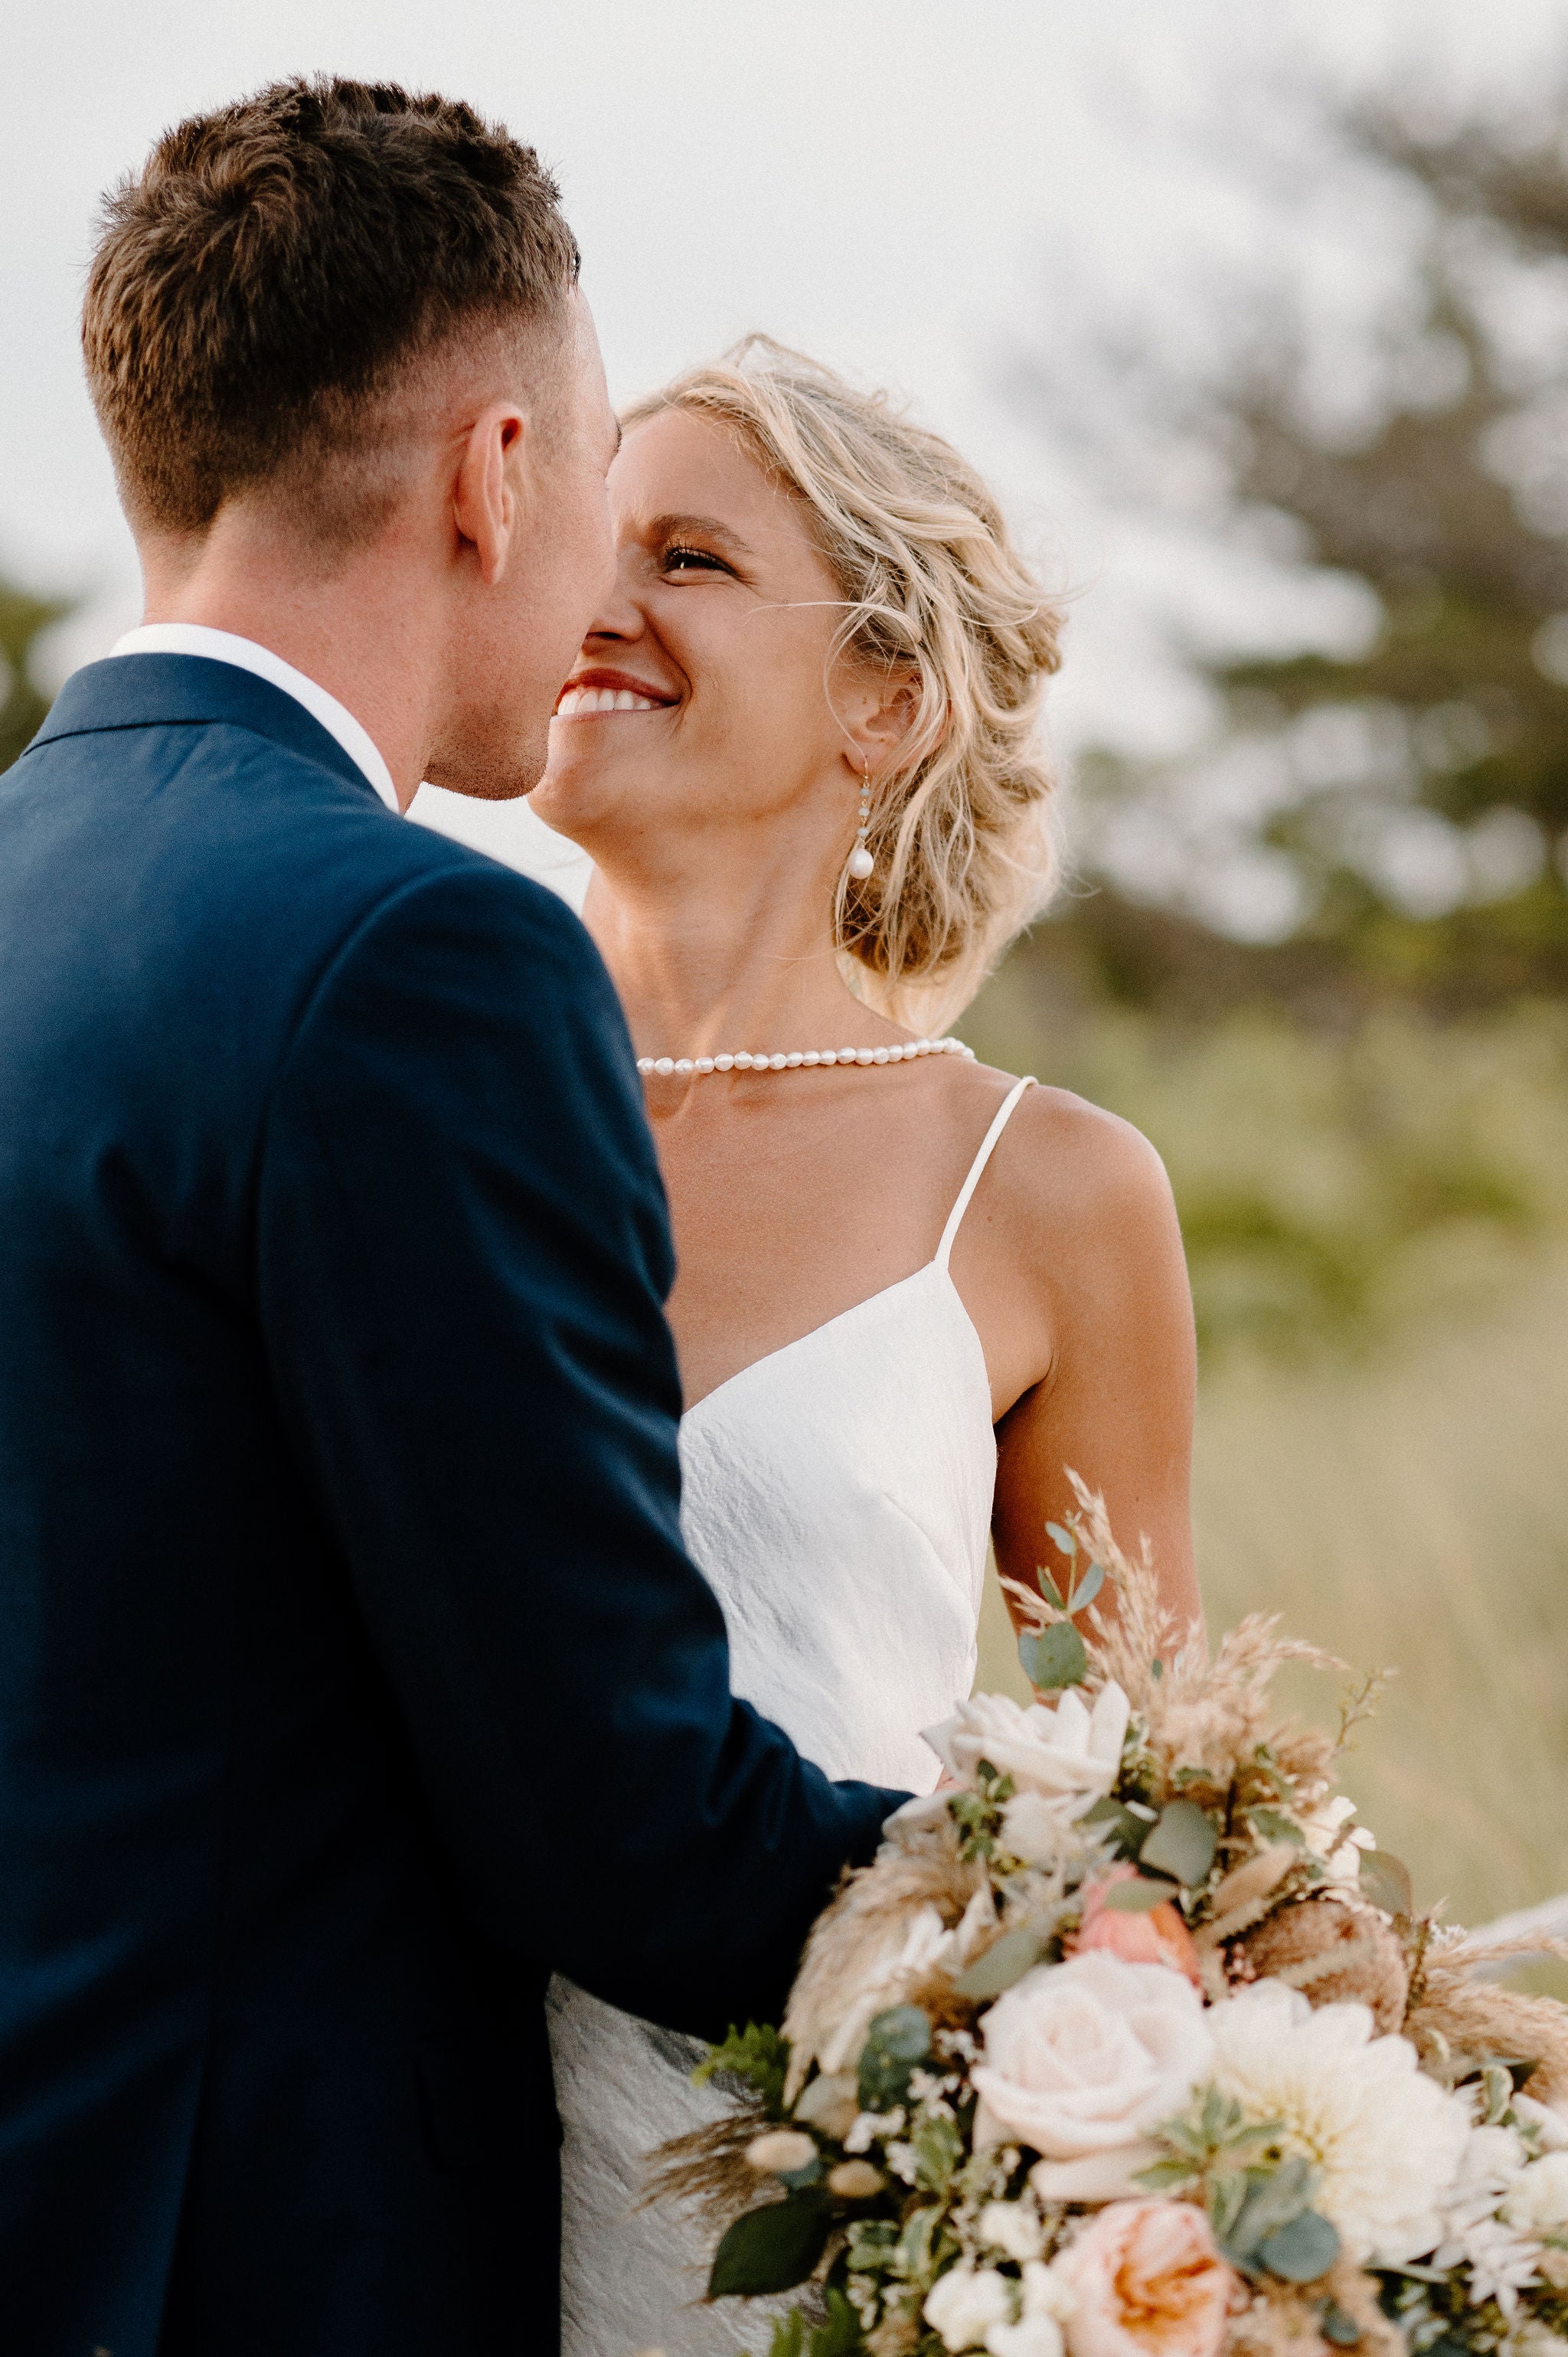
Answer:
(861, 863)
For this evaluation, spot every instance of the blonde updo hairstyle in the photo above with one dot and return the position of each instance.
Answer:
(936, 592)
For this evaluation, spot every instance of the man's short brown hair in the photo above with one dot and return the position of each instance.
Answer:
(274, 269)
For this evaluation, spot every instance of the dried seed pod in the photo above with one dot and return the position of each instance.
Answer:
(855, 2180)
(1336, 1953)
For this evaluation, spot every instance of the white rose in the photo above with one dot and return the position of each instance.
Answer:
(1081, 2060)
(1013, 2227)
(1069, 1753)
(964, 2304)
(1537, 2200)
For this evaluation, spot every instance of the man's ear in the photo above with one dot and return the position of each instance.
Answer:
(486, 505)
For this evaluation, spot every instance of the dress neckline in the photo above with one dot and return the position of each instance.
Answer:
(839, 1317)
(937, 1266)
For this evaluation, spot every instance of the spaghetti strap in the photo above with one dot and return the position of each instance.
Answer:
(987, 1147)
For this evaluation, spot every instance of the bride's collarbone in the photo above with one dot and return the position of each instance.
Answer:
(787, 1218)
(786, 1192)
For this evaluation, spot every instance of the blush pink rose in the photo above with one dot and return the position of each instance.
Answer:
(1147, 2281)
(1158, 1936)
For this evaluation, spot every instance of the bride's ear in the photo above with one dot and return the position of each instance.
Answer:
(487, 503)
(875, 731)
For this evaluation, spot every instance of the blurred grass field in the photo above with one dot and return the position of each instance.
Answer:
(1377, 1235)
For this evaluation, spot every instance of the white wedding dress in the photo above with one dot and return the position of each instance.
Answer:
(838, 1495)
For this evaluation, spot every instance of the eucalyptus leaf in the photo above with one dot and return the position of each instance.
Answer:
(1283, 2193)
(1062, 1540)
(1274, 1826)
(1341, 2330)
(897, 2042)
(938, 2146)
(1302, 2251)
(1183, 1844)
(1004, 1962)
(1103, 1812)
(1127, 1829)
(771, 2249)
(1385, 1881)
(1274, 2198)
(871, 2243)
(1138, 1896)
(1087, 1588)
(1054, 1658)
(916, 2245)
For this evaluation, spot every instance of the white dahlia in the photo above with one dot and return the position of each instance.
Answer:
(1388, 2141)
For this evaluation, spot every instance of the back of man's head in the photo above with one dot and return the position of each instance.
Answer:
(277, 270)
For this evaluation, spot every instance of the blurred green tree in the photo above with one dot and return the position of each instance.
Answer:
(23, 704)
(1418, 789)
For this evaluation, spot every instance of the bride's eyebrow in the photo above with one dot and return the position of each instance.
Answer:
(672, 527)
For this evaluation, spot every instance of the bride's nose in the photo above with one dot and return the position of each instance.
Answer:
(621, 618)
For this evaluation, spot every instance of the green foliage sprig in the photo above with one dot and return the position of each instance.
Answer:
(758, 2054)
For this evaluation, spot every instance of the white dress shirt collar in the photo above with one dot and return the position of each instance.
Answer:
(223, 646)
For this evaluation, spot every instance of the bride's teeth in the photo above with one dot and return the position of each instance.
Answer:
(602, 699)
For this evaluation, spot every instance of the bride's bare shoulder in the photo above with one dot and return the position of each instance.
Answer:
(1066, 1168)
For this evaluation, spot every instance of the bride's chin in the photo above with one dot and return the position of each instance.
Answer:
(557, 796)
(571, 808)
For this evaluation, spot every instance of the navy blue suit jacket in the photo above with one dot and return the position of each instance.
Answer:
(353, 1675)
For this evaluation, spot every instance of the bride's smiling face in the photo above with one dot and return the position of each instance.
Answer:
(698, 712)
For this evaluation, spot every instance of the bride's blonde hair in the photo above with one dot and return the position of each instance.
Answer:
(934, 590)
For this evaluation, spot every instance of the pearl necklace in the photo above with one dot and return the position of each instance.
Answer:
(907, 1054)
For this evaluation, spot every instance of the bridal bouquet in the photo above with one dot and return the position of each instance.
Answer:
(1132, 2044)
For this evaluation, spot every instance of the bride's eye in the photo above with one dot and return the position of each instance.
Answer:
(680, 558)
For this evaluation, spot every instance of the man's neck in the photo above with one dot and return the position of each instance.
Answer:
(356, 632)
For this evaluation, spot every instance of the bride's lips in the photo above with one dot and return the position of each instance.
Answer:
(589, 693)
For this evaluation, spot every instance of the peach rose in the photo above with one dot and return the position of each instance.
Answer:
(1147, 2282)
(1158, 1936)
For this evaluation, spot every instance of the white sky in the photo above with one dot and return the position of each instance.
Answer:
(914, 189)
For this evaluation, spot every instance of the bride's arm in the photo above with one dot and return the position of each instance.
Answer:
(1102, 1327)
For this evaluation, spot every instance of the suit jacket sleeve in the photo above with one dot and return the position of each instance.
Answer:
(462, 1257)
